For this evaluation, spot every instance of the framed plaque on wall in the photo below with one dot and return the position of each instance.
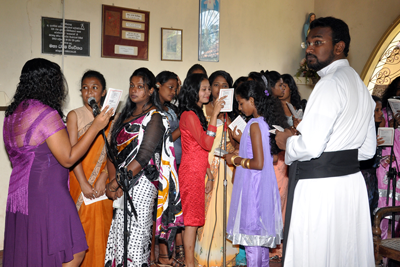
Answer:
(171, 44)
(125, 33)
(76, 38)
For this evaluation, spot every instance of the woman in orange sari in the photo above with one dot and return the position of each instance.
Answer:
(89, 175)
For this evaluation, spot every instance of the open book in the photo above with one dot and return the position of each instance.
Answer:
(297, 114)
(219, 152)
(239, 123)
(112, 99)
(387, 133)
(228, 106)
(277, 127)
(394, 105)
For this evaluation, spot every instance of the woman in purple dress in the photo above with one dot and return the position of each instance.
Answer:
(42, 224)
(255, 219)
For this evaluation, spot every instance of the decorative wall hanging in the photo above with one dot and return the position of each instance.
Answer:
(125, 33)
(209, 30)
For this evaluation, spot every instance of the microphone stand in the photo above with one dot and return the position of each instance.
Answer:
(392, 172)
(122, 177)
(225, 194)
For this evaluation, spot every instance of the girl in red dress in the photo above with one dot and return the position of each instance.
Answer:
(197, 140)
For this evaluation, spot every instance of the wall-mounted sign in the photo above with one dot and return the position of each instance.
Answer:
(125, 33)
(76, 40)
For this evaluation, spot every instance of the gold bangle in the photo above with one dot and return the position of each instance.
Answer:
(233, 160)
(248, 163)
(242, 162)
(104, 170)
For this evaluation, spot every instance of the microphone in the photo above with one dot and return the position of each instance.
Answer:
(95, 108)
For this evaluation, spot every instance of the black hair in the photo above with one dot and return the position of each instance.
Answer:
(42, 80)
(239, 81)
(189, 97)
(295, 98)
(272, 77)
(390, 91)
(255, 76)
(376, 98)
(236, 112)
(224, 75)
(129, 108)
(340, 30)
(162, 78)
(194, 68)
(98, 76)
(267, 106)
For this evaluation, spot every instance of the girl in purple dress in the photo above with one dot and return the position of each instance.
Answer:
(42, 224)
(255, 219)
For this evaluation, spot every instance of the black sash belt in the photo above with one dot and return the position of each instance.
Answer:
(329, 164)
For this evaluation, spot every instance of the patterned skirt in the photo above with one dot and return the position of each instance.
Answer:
(143, 196)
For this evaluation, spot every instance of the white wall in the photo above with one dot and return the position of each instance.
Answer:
(255, 35)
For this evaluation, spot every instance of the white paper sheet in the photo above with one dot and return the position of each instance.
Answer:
(91, 201)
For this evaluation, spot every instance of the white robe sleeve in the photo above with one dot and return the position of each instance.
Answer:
(324, 107)
(368, 148)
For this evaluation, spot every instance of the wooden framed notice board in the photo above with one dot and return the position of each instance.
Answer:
(125, 33)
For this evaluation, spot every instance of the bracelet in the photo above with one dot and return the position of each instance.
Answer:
(242, 162)
(210, 180)
(233, 160)
(104, 170)
(211, 133)
(248, 164)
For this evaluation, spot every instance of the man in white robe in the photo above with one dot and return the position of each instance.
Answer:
(330, 221)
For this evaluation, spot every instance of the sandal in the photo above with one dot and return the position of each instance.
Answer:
(276, 259)
(180, 253)
(174, 263)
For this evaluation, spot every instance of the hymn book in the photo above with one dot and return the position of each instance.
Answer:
(297, 114)
(219, 152)
(277, 127)
(394, 105)
(239, 123)
(228, 106)
(112, 99)
(387, 133)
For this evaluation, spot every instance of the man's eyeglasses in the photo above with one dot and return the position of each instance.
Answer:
(315, 44)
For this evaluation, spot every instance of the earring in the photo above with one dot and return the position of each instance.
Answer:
(157, 85)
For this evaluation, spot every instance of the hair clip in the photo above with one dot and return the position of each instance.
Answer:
(265, 81)
(266, 92)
